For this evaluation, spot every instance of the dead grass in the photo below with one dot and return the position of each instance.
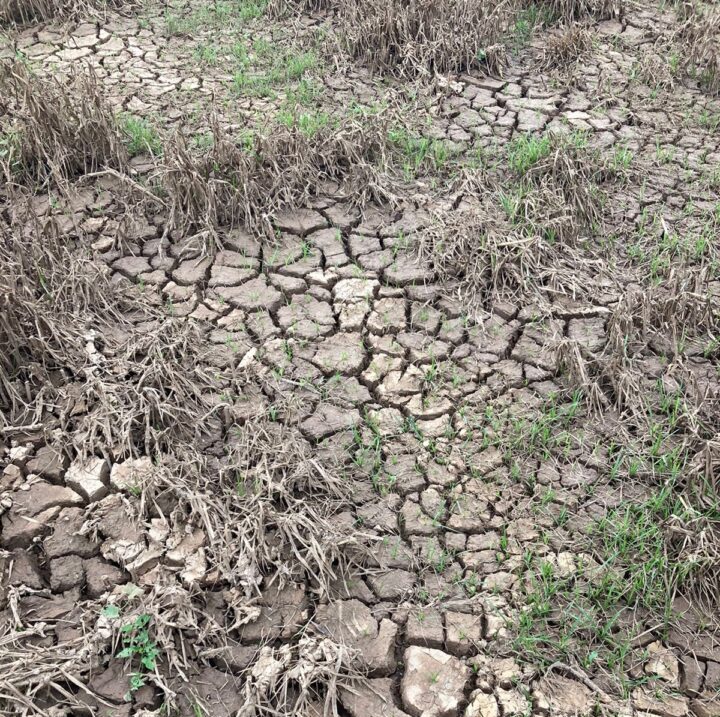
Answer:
(270, 509)
(422, 37)
(246, 180)
(521, 238)
(60, 128)
(566, 47)
(120, 378)
(573, 173)
(63, 129)
(653, 69)
(281, 8)
(26, 11)
(699, 40)
(45, 299)
(70, 339)
(573, 10)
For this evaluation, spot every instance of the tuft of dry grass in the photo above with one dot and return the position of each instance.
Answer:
(422, 36)
(247, 180)
(45, 299)
(519, 239)
(419, 37)
(120, 378)
(699, 39)
(61, 128)
(62, 318)
(571, 173)
(652, 67)
(566, 47)
(26, 11)
(486, 259)
(281, 8)
(572, 10)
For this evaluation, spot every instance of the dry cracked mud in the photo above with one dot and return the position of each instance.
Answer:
(447, 448)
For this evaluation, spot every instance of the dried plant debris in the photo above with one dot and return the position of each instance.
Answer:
(699, 40)
(423, 37)
(246, 179)
(57, 128)
(407, 38)
(27, 11)
(105, 369)
(58, 307)
(524, 238)
(342, 377)
(566, 47)
(574, 10)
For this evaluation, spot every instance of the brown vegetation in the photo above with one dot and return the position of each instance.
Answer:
(25, 11)
(58, 128)
(246, 180)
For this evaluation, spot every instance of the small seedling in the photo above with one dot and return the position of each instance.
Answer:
(137, 644)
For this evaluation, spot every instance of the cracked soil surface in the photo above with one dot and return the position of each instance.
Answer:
(483, 543)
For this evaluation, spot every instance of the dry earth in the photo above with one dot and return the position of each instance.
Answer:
(415, 414)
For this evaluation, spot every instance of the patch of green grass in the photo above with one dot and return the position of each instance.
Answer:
(653, 245)
(295, 66)
(253, 85)
(214, 14)
(709, 120)
(10, 149)
(633, 541)
(206, 54)
(622, 158)
(663, 155)
(140, 136)
(529, 17)
(417, 152)
(540, 436)
(367, 454)
(526, 151)
(309, 123)
(305, 93)
(585, 616)
(511, 202)
(285, 71)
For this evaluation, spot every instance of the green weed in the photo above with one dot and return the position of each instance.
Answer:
(418, 152)
(622, 158)
(10, 149)
(526, 21)
(137, 645)
(214, 15)
(140, 136)
(286, 70)
(526, 151)
(309, 123)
